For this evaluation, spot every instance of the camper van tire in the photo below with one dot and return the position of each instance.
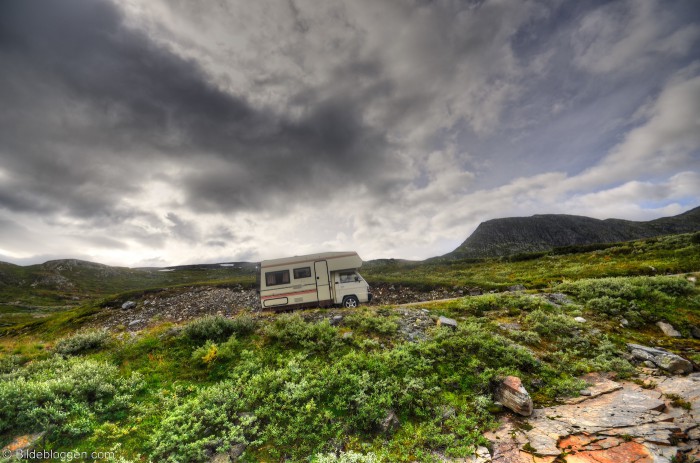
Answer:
(350, 302)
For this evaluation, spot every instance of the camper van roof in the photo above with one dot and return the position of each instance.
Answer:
(308, 258)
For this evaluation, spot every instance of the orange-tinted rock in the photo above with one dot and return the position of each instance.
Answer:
(626, 452)
(23, 442)
(513, 395)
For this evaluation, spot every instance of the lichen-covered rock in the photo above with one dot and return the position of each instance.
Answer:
(668, 329)
(661, 358)
(449, 322)
(511, 393)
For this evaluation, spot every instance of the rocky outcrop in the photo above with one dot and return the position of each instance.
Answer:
(511, 393)
(662, 358)
(619, 422)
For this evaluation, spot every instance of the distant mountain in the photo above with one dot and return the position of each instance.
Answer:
(515, 235)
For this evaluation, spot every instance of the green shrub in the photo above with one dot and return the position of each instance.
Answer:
(64, 396)
(609, 305)
(478, 305)
(695, 238)
(365, 321)
(82, 342)
(218, 328)
(627, 288)
(212, 420)
(211, 352)
(525, 337)
(293, 331)
(551, 325)
(345, 457)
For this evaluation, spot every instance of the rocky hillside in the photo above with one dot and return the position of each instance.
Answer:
(514, 235)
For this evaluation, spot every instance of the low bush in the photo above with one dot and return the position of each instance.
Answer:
(551, 325)
(64, 396)
(365, 321)
(218, 328)
(211, 352)
(293, 331)
(345, 457)
(81, 342)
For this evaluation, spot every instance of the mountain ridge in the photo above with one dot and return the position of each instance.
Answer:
(544, 232)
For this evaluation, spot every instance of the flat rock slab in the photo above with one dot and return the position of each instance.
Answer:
(618, 423)
(598, 385)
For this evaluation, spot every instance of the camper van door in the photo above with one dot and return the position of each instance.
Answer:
(322, 284)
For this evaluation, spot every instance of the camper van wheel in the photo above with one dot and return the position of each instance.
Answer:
(350, 302)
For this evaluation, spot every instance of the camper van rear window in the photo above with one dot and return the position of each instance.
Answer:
(277, 278)
(302, 273)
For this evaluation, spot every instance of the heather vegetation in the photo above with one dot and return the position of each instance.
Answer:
(309, 386)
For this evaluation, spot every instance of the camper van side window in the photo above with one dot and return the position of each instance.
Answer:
(304, 272)
(277, 278)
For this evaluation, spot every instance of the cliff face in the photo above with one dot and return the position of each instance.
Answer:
(508, 236)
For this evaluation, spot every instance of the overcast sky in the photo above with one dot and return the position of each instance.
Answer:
(162, 132)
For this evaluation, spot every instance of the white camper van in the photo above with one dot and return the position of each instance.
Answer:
(314, 280)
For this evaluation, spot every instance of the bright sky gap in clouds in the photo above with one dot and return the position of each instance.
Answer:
(153, 132)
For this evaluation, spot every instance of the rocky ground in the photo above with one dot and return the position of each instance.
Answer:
(175, 306)
(187, 304)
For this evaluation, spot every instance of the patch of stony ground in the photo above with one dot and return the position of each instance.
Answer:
(178, 306)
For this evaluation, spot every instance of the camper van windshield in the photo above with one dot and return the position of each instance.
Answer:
(348, 277)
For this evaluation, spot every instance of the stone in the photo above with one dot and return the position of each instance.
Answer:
(516, 288)
(510, 326)
(449, 322)
(668, 329)
(135, 322)
(129, 305)
(481, 455)
(624, 323)
(511, 393)
(695, 332)
(336, 320)
(23, 442)
(580, 320)
(390, 423)
(661, 358)
(236, 451)
(347, 335)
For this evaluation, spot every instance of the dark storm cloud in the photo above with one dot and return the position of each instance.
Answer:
(91, 106)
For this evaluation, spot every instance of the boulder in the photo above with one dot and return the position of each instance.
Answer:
(695, 332)
(661, 358)
(449, 322)
(128, 305)
(668, 329)
(511, 393)
(580, 320)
